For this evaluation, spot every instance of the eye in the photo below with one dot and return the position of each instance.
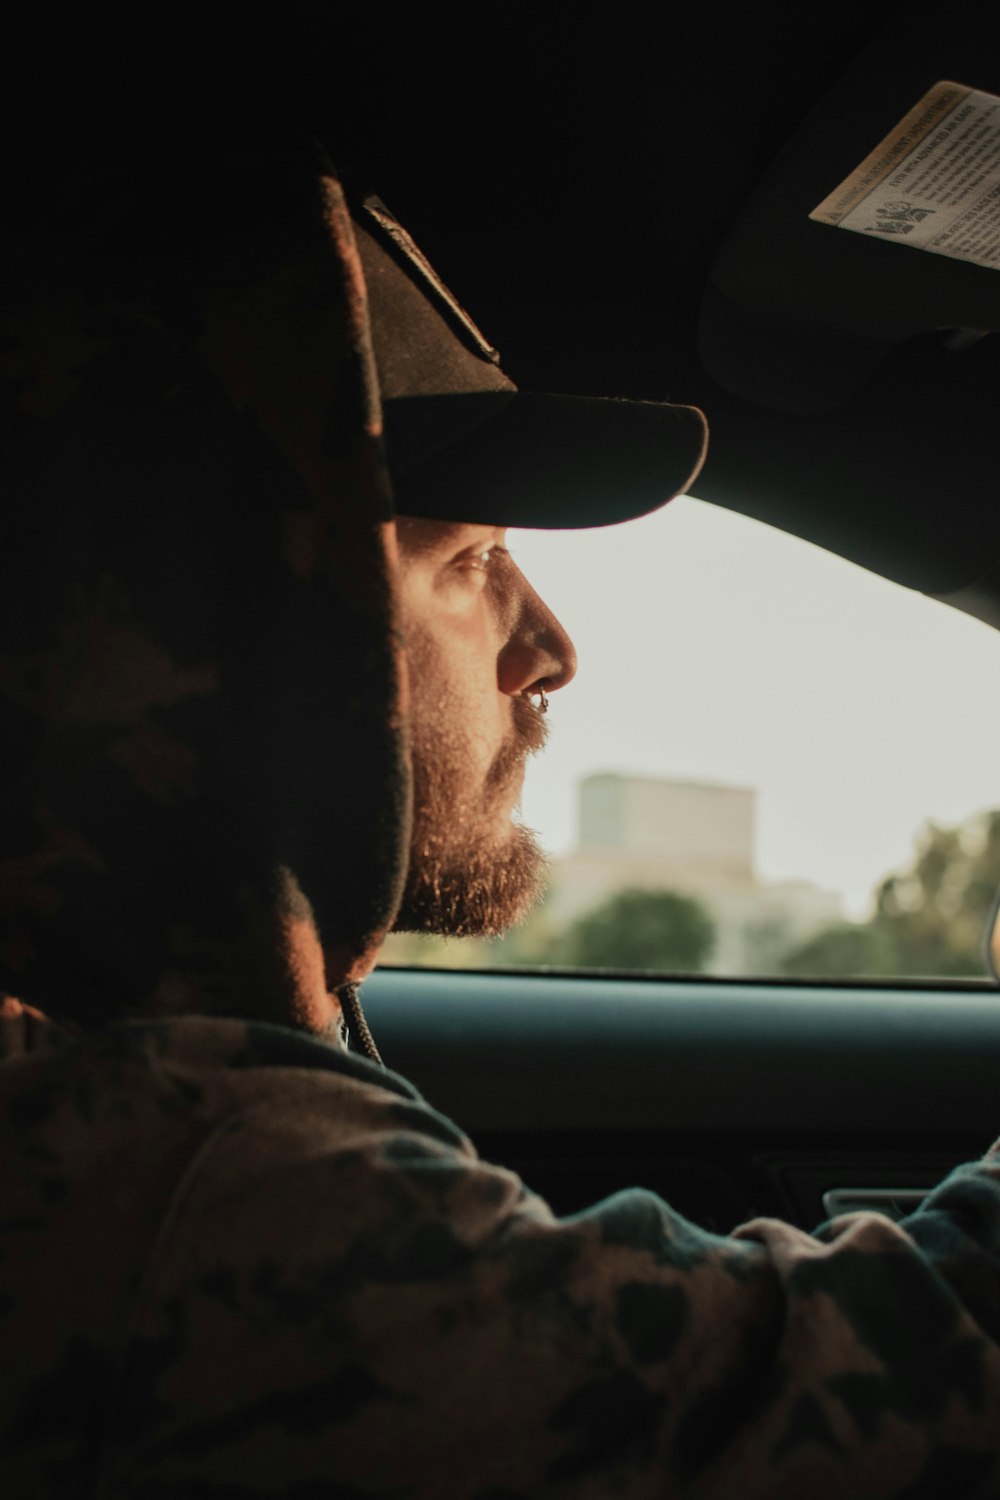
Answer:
(483, 560)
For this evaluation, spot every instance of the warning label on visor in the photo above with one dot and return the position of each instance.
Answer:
(933, 182)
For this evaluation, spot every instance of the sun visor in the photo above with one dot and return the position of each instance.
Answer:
(878, 224)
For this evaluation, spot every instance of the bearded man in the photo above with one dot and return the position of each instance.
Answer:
(483, 652)
(251, 721)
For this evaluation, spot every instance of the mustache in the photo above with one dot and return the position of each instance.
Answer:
(529, 734)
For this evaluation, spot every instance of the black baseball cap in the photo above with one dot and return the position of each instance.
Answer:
(464, 444)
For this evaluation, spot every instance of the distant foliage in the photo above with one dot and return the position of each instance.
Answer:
(639, 929)
(930, 920)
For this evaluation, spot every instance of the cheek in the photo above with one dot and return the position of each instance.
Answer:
(453, 691)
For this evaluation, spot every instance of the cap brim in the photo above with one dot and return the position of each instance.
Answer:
(541, 461)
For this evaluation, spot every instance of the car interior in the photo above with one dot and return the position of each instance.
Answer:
(651, 205)
(625, 205)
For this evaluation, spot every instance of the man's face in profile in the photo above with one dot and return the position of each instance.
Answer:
(480, 647)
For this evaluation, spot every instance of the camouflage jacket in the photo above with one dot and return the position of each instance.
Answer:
(237, 1260)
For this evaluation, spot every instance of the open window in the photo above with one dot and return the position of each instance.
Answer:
(771, 763)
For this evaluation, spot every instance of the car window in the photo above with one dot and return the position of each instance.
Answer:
(771, 762)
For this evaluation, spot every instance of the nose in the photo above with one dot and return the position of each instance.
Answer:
(537, 653)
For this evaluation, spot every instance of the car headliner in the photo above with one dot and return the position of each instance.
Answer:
(621, 198)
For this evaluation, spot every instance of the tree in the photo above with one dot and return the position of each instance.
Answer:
(639, 929)
(930, 919)
(851, 948)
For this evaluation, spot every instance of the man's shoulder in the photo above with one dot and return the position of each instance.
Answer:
(193, 1075)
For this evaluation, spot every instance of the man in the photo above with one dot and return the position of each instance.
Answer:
(480, 653)
(238, 1259)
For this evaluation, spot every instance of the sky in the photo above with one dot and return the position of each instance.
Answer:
(715, 648)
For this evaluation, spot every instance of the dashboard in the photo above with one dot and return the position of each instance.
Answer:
(730, 1099)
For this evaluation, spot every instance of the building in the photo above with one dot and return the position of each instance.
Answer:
(696, 838)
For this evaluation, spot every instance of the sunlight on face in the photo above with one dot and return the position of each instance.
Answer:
(475, 653)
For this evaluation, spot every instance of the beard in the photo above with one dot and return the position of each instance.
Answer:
(472, 872)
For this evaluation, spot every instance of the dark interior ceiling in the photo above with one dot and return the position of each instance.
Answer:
(577, 178)
(621, 200)
(573, 174)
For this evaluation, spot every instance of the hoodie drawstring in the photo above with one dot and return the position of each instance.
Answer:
(358, 1030)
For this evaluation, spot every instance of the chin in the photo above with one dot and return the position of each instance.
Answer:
(481, 890)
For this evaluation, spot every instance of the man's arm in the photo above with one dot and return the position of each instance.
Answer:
(348, 1301)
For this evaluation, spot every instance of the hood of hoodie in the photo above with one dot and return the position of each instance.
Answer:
(204, 786)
